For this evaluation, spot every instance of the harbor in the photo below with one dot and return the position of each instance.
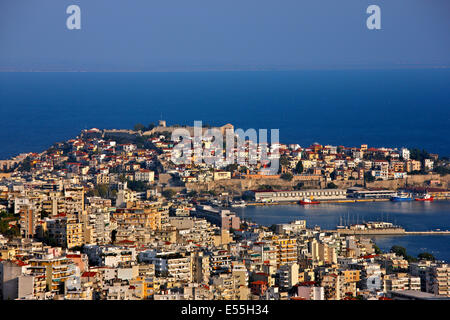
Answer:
(425, 224)
(328, 201)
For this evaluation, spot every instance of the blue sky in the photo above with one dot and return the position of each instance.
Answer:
(180, 35)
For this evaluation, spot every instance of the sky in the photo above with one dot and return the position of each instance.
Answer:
(183, 35)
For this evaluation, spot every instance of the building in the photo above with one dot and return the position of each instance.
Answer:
(10, 271)
(221, 175)
(29, 220)
(144, 175)
(292, 195)
(401, 281)
(288, 275)
(294, 227)
(414, 295)
(225, 219)
(438, 279)
(310, 291)
(57, 270)
(65, 232)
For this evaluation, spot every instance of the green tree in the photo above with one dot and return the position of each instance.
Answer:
(377, 249)
(331, 185)
(137, 186)
(369, 177)
(101, 190)
(168, 193)
(192, 193)
(299, 186)
(333, 175)
(299, 167)
(399, 251)
(25, 165)
(212, 192)
(139, 127)
(231, 167)
(441, 170)
(426, 256)
(284, 160)
(44, 214)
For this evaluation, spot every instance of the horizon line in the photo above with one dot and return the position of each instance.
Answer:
(227, 69)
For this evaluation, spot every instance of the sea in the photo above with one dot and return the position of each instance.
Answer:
(392, 108)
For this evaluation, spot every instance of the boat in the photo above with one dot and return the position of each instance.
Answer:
(425, 197)
(306, 201)
(238, 204)
(400, 197)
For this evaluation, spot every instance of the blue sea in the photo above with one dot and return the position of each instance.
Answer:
(392, 108)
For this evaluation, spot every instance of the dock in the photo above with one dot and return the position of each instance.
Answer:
(325, 201)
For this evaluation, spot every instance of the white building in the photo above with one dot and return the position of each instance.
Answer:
(144, 175)
(405, 153)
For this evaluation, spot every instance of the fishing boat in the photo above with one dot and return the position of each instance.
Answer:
(400, 197)
(425, 197)
(238, 204)
(306, 201)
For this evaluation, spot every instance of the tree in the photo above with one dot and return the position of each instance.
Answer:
(265, 187)
(441, 170)
(299, 167)
(137, 186)
(25, 165)
(44, 214)
(192, 193)
(399, 251)
(101, 190)
(139, 127)
(4, 226)
(369, 177)
(212, 192)
(168, 194)
(377, 249)
(287, 176)
(333, 175)
(331, 185)
(299, 186)
(113, 236)
(426, 256)
(247, 197)
(243, 169)
(284, 160)
(231, 167)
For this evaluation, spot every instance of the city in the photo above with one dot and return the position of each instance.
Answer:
(109, 216)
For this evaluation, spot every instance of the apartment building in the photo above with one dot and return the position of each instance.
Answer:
(65, 232)
(438, 279)
(400, 281)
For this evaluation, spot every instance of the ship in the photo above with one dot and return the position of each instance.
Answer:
(400, 197)
(306, 201)
(425, 197)
(238, 204)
